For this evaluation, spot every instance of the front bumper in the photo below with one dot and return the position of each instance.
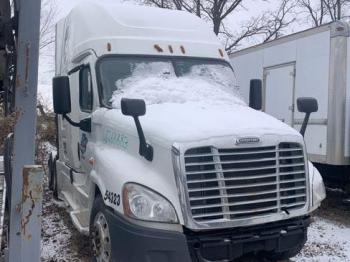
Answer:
(133, 243)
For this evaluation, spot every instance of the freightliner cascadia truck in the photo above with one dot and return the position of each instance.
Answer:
(159, 158)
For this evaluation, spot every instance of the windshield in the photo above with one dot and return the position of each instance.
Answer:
(165, 80)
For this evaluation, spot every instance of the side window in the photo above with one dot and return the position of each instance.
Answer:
(85, 89)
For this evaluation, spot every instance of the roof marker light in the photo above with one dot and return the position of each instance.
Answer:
(158, 48)
(171, 50)
(183, 49)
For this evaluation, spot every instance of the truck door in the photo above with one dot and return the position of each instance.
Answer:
(69, 134)
(279, 82)
(73, 139)
(86, 107)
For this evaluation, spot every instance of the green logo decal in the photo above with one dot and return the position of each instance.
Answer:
(116, 139)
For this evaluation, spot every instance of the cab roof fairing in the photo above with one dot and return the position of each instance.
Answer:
(133, 29)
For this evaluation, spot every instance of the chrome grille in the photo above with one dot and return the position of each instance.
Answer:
(242, 183)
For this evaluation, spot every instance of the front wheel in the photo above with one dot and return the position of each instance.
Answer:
(100, 233)
(53, 176)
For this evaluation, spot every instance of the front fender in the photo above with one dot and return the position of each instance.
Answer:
(317, 188)
(113, 168)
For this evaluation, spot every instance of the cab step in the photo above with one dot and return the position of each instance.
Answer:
(80, 219)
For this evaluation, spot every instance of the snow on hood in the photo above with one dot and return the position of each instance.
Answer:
(168, 123)
(192, 122)
(192, 107)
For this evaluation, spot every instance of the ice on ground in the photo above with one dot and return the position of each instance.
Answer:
(156, 83)
(327, 241)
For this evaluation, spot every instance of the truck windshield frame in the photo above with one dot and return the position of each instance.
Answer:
(167, 59)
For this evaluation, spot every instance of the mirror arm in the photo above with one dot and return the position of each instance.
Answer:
(145, 149)
(70, 121)
(306, 121)
(84, 125)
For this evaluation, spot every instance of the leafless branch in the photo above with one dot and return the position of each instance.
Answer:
(265, 27)
(49, 11)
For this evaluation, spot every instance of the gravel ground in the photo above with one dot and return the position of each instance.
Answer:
(328, 238)
(60, 240)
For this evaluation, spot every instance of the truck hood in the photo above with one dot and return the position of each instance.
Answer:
(170, 123)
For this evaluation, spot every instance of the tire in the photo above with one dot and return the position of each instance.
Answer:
(8, 154)
(53, 178)
(50, 175)
(99, 233)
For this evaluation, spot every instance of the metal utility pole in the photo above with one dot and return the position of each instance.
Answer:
(26, 179)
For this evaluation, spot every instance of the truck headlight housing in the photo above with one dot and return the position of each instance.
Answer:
(317, 187)
(142, 203)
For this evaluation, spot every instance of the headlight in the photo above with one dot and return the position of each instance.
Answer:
(142, 203)
(317, 187)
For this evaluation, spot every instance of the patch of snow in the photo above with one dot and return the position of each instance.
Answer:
(327, 241)
(60, 241)
(157, 83)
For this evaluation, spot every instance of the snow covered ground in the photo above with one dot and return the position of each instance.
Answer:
(328, 238)
(327, 241)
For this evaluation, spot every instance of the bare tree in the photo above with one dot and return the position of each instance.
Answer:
(316, 12)
(214, 10)
(49, 11)
(218, 10)
(264, 28)
(324, 11)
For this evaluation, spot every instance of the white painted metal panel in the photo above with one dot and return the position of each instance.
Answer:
(279, 92)
(312, 73)
(254, 61)
(315, 138)
(312, 79)
(347, 107)
(280, 54)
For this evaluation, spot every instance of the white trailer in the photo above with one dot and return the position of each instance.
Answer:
(200, 176)
(313, 63)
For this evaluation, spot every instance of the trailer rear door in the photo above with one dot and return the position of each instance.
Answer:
(279, 82)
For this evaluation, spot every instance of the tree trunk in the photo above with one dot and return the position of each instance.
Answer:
(198, 8)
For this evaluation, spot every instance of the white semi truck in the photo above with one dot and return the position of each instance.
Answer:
(314, 63)
(200, 176)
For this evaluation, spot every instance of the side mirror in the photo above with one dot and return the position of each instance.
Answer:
(133, 107)
(61, 95)
(62, 104)
(256, 94)
(306, 105)
(136, 108)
